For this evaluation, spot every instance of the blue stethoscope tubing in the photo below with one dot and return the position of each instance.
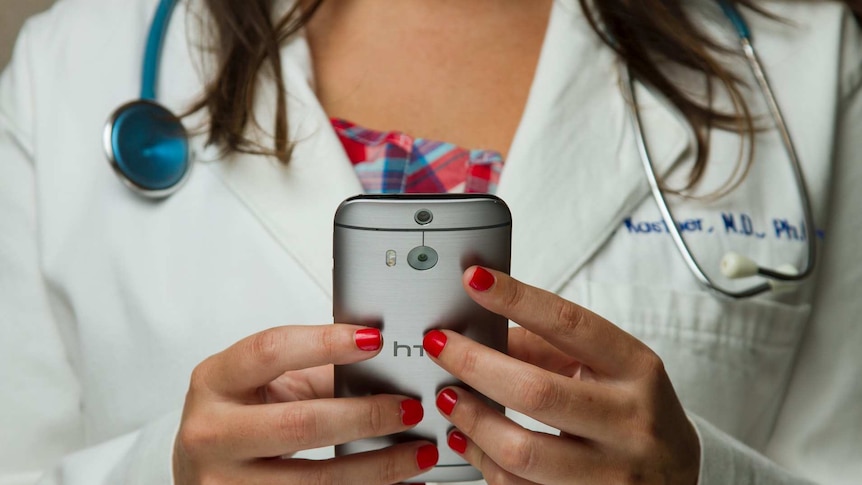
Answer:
(146, 144)
(148, 148)
(734, 265)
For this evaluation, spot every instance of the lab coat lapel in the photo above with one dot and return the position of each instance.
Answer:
(573, 172)
(295, 203)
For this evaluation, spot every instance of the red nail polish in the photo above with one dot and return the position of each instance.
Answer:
(482, 280)
(368, 339)
(434, 342)
(446, 401)
(458, 442)
(411, 412)
(427, 456)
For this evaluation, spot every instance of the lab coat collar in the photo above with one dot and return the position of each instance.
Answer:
(573, 172)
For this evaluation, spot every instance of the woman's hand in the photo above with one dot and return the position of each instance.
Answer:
(270, 395)
(607, 392)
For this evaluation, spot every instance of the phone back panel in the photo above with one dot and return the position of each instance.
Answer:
(405, 303)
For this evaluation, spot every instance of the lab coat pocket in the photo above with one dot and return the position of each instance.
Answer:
(729, 360)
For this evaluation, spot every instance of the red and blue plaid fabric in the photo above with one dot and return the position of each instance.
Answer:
(393, 162)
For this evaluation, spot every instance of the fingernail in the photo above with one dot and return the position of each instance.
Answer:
(482, 280)
(458, 442)
(368, 339)
(446, 401)
(427, 456)
(411, 412)
(434, 342)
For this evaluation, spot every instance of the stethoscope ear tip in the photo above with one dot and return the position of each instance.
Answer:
(734, 265)
(784, 286)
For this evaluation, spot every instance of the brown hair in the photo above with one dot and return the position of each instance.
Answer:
(647, 34)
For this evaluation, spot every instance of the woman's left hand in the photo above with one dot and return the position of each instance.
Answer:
(608, 393)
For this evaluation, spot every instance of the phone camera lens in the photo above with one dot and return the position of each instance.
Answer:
(423, 217)
(422, 258)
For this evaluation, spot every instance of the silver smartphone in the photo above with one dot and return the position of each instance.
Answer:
(398, 263)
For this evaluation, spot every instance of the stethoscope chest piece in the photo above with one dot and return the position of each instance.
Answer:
(148, 148)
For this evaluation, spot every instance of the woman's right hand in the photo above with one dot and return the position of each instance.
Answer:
(269, 396)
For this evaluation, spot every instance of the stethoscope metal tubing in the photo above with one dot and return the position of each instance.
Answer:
(664, 208)
(789, 147)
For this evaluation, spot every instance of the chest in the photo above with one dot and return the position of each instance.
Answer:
(450, 71)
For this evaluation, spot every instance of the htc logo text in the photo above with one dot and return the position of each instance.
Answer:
(399, 350)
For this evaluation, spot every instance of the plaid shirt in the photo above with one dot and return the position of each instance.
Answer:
(394, 162)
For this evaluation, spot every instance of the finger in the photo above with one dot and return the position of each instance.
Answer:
(381, 467)
(301, 385)
(573, 329)
(531, 455)
(583, 408)
(283, 429)
(257, 360)
(493, 473)
(528, 347)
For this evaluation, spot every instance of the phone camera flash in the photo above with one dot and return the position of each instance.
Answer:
(391, 258)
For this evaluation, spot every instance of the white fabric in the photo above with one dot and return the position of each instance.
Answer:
(107, 301)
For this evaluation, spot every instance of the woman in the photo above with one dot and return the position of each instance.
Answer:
(109, 301)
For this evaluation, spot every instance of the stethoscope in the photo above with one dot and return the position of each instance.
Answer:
(148, 148)
(146, 144)
(734, 265)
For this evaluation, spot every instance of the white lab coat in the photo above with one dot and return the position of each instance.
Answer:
(107, 301)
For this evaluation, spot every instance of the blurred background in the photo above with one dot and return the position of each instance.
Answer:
(13, 13)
